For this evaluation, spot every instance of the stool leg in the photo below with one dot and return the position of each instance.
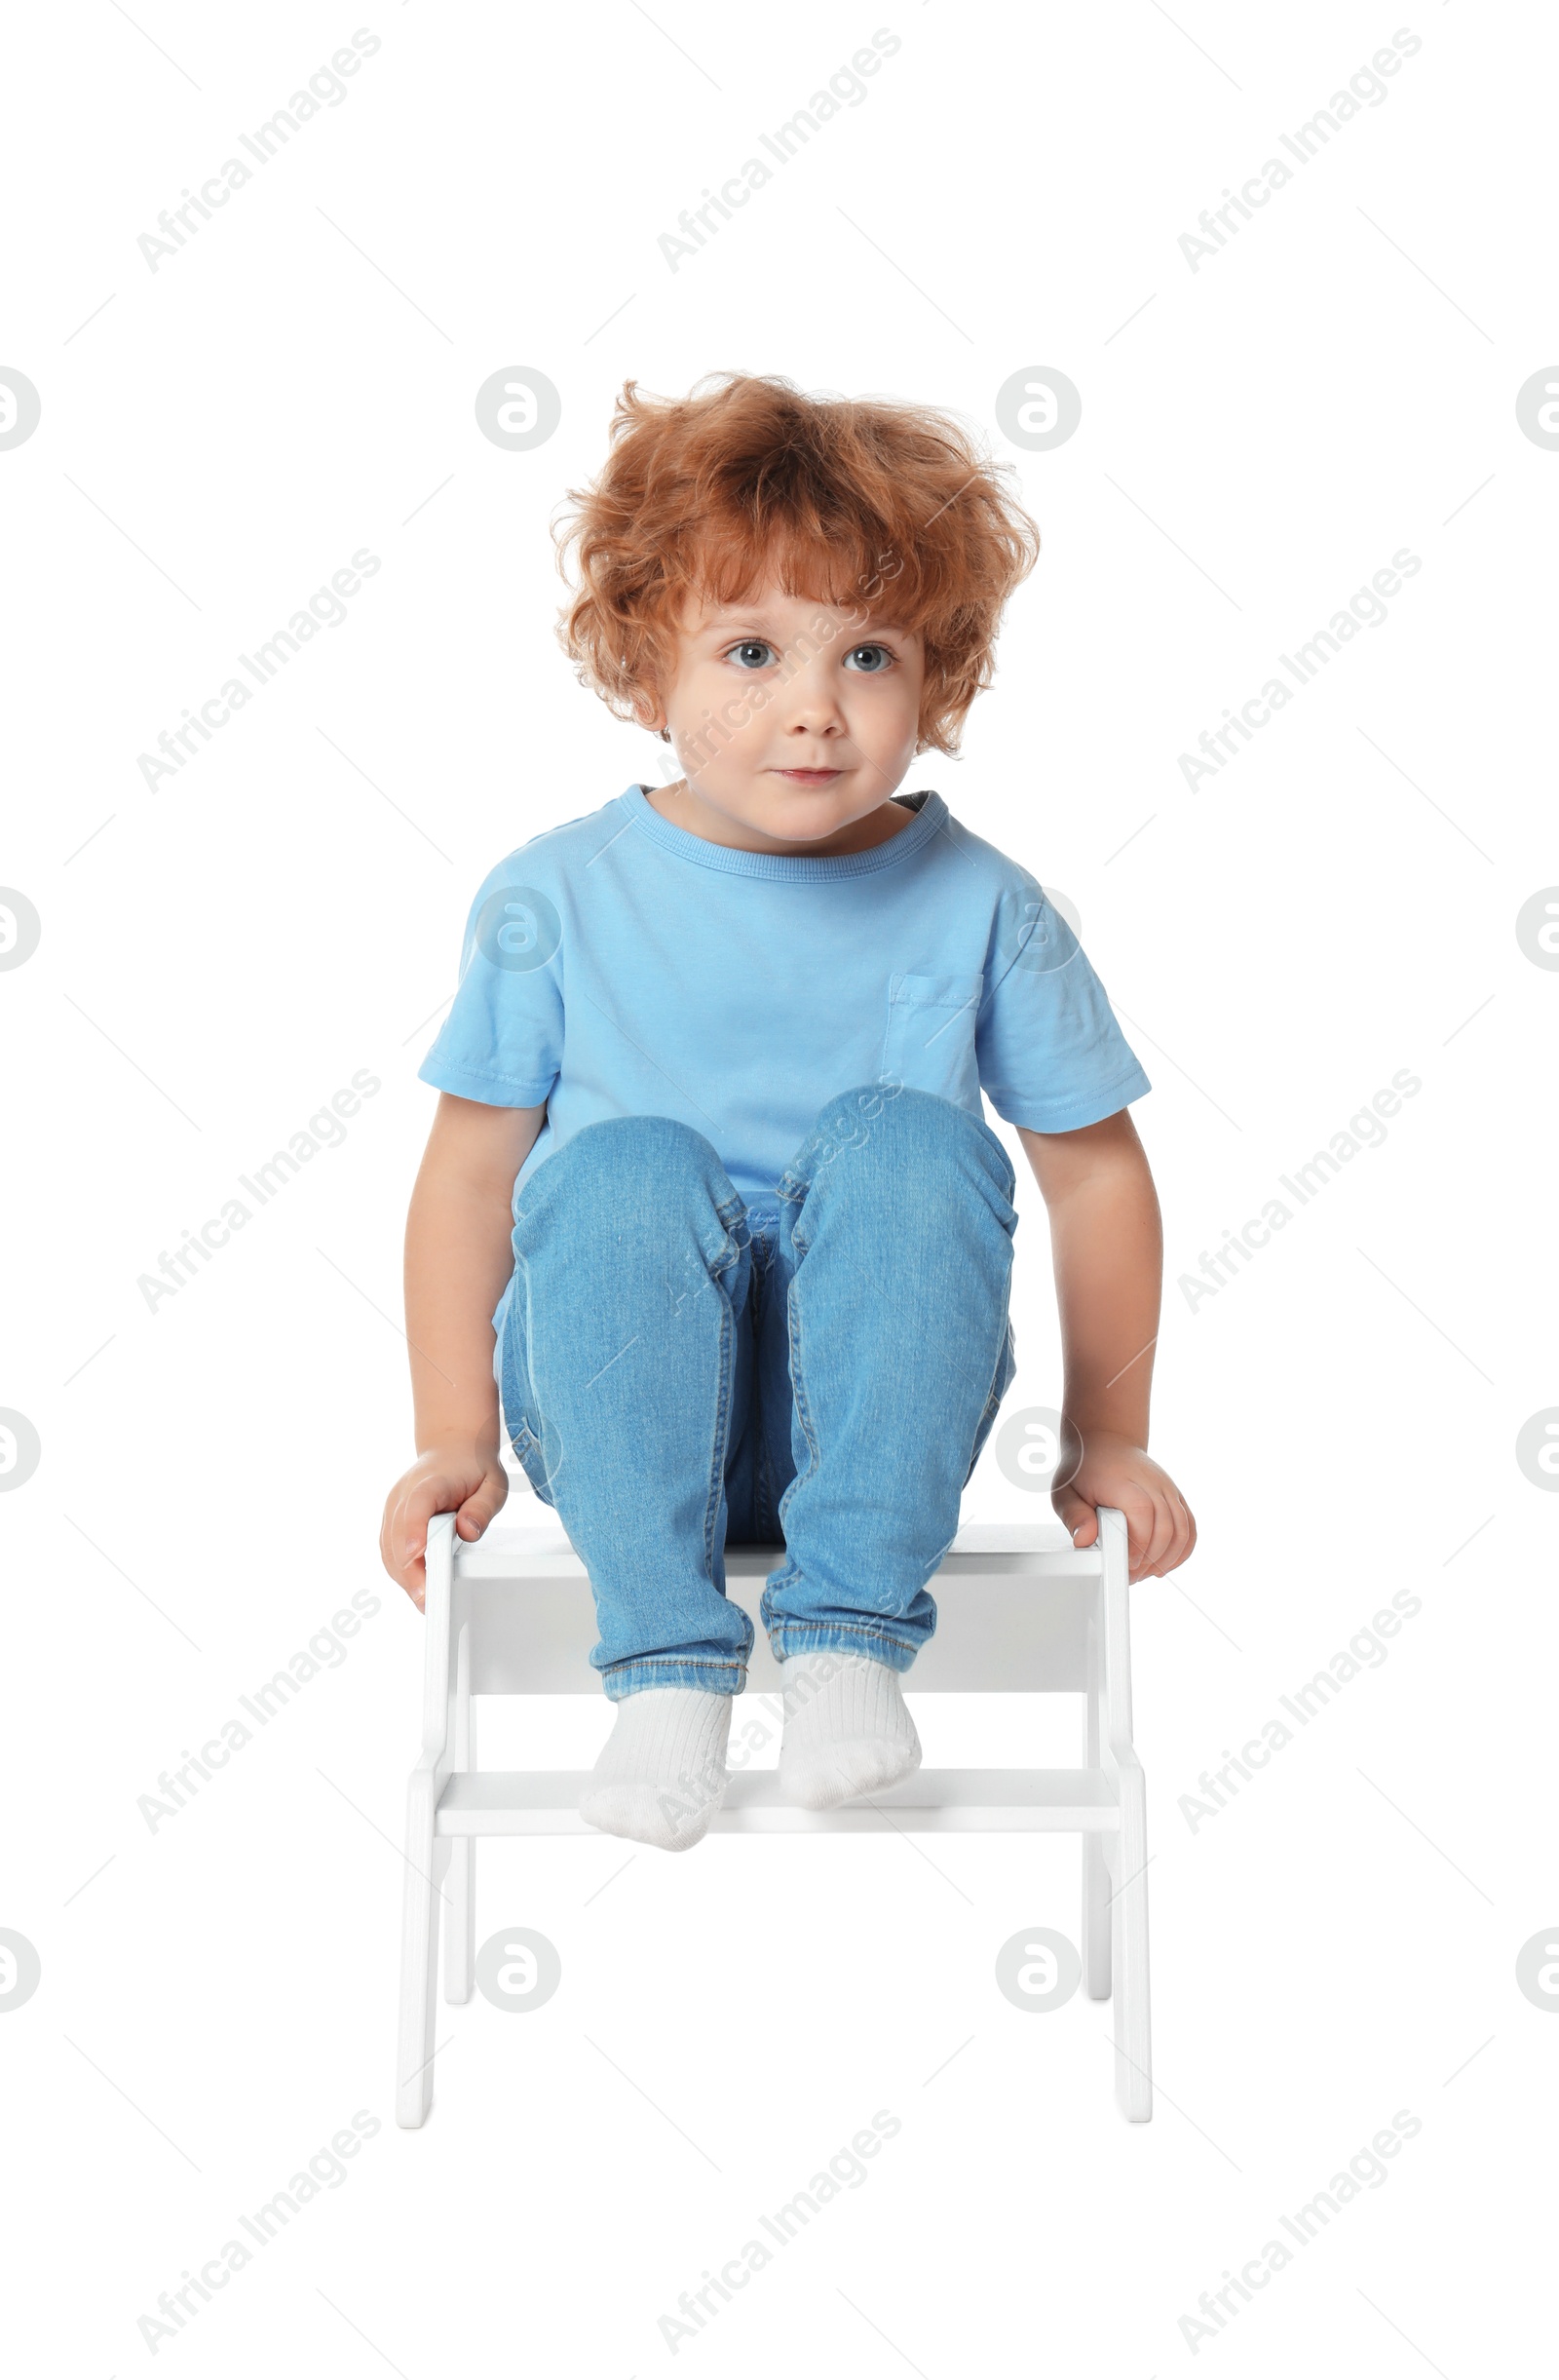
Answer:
(1096, 1915)
(460, 1907)
(426, 1856)
(1095, 1919)
(1133, 2059)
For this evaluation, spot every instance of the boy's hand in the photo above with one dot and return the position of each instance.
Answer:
(458, 1479)
(1160, 1532)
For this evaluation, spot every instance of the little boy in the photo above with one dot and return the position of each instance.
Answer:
(710, 1149)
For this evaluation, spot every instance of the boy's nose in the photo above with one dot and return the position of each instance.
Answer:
(812, 711)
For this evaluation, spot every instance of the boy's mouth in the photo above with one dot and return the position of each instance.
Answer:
(809, 776)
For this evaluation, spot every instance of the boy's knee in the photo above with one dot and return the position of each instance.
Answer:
(908, 1130)
(639, 1177)
(645, 1149)
(888, 1106)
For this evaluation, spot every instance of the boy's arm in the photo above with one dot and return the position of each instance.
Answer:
(458, 1258)
(1107, 1243)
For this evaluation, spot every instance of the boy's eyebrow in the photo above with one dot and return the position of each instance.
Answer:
(756, 615)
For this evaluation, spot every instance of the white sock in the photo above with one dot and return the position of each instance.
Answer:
(847, 1730)
(663, 1770)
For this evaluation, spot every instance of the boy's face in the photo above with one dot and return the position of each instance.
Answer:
(793, 721)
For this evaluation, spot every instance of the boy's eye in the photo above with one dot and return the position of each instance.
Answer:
(743, 653)
(878, 659)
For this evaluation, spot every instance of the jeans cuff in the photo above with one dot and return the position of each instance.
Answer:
(789, 1636)
(712, 1677)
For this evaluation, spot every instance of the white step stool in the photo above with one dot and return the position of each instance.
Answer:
(1019, 1610)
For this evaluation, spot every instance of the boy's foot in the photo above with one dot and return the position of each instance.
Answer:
(847, 1730)
(663, 1770)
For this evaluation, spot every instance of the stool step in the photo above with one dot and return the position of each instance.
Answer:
(933, 1801)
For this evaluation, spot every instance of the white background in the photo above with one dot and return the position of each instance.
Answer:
(220, 955)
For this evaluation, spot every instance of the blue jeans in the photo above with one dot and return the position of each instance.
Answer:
(676, 1368)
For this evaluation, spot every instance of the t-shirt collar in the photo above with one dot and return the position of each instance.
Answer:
(778, 866)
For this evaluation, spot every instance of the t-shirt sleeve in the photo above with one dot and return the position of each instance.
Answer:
(501, 1041)
(1051, 1055)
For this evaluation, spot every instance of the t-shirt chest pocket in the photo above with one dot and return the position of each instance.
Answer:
(929, 1041)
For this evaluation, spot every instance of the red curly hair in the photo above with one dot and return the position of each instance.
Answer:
(749, 479)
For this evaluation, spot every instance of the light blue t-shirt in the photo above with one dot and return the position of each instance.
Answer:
(620, 966)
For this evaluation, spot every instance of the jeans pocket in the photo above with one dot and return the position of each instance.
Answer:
(514, 1407)
(532, 1461)
(1005, 1374)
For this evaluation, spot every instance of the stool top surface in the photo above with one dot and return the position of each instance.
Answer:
(527, 1550)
